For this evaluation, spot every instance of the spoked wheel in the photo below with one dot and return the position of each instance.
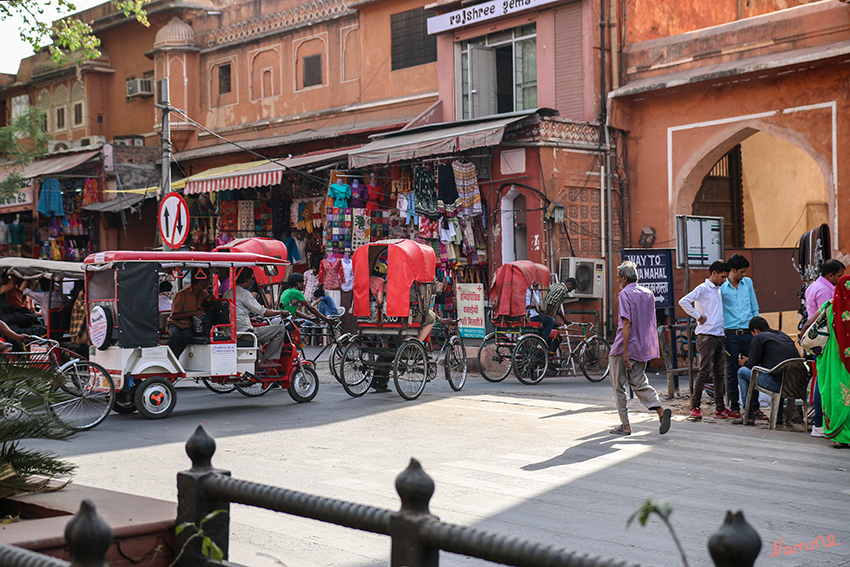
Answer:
(254, 389)
(335, 356)
(218, 385)
(593, 359)
(456, 363)
(356, 370)
(530, 359)
(155, 398)
(84, 397)
(124, 403)
(410, 369)
(494, 361)
(305, 384)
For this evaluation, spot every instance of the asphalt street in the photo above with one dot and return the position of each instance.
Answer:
(535, 462)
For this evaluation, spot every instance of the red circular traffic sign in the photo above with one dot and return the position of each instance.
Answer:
(173, 220)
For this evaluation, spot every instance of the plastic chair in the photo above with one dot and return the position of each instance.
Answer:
(796, 374)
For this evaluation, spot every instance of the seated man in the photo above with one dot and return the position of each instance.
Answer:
(293, 297)
(324, 303)
(246, 304)
(532, 304)
(769, 348)
(48, 296)
(187, 303)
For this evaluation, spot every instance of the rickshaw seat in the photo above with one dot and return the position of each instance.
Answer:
(221, 316)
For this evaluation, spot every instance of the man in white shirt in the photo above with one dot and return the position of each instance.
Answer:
(705, 304)
(49, 297)
(246, 304)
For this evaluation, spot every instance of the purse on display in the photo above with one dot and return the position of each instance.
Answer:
(814, 339)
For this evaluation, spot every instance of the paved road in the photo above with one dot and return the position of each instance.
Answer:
(530, 461)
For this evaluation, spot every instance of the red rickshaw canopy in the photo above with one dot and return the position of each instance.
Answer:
(407, 262)
(512, 281)
(264, 247)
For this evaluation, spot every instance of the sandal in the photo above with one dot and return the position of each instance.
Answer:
(837, 445)
(619, 431)
(760, 415)
(664, 427)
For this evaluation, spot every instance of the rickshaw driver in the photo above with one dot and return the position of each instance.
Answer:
(246, 304)
(532, 303)
(186, 304)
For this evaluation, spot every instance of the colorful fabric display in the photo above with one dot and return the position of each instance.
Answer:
(341, 193)
(425, 190)
(466, 181)
(448, 202)
(50, 199)
(90, 193)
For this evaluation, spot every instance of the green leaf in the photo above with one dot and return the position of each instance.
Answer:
(182, 527)
(205, 547)
(215, 551)
(661, 507)
(212, 515)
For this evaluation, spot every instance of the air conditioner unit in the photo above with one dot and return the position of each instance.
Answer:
(62, 145)
(139, 87)
(92, 141)
(138, 141)
(588, 272)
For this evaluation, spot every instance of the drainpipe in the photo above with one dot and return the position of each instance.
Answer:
(609, 280)
(615, 46)
(602, 237)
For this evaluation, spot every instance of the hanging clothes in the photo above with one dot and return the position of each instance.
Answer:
(330, 273)
(341, 193)
(375, 196)
(50, 199)
(348, 274)
(448, 201)
(466, 180)
(359, 195)
(425, 190)
(90, 193)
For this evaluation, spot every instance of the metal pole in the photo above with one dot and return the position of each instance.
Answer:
(690, 337)
(609, 281)
(165, 104)
(602, 248)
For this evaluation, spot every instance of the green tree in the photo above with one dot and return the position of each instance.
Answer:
(22, 142)
(69, 35)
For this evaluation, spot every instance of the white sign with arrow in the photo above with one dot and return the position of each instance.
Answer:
(173, 220)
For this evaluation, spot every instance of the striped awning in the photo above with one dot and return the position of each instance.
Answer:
(259, 175)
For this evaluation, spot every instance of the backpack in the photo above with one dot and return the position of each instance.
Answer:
(553, 299)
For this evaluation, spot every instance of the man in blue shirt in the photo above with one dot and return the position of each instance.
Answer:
(739, 307)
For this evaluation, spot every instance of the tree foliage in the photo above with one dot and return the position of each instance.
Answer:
(69, 35)
(22, 142)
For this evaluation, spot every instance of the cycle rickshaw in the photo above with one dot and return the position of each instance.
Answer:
(128, 336)
(516, 345)
(386, 340)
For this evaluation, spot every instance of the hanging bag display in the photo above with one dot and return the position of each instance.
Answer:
(815, 337)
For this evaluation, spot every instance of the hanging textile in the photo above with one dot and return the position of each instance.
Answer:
(466, 179)
(90, 193)
(425, 191)
(50, 199)
(448, 202)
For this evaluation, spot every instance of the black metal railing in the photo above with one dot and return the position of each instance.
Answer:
(417, 536)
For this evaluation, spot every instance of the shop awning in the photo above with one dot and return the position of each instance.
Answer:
(54, 164)
(123, 201)
(260, 174)
(429, 141)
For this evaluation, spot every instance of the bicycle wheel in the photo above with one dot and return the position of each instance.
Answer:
(255, 389)
(335, 355)
(530, 359)
(410, 369)
(84, 397)
(456, 364)
(219, 386)
(356, 369)
(494, 361)
(593, 359)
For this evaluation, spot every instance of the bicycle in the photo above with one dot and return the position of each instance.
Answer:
(84, 392)
(338, 342)
(592, 352)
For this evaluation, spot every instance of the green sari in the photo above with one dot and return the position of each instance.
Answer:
(834, 384)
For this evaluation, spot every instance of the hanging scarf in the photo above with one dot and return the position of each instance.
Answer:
(841, 319)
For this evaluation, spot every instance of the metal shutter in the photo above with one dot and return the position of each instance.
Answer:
(569, 72)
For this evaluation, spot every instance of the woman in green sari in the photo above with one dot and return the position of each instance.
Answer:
(833, 365)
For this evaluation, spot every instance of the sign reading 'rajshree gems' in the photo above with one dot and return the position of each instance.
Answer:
(481, 13)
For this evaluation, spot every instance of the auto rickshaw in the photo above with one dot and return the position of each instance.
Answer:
(128, 337)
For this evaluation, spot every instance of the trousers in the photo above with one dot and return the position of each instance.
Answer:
(712, 355)
(272, 334)
(178, 339)
(735, 345)
(636, 378)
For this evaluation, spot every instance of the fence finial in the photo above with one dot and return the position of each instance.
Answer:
(735, 543)
(415, 488)
(200, 447)
(88, 537)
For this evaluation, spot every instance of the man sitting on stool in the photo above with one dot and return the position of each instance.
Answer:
(246, 304)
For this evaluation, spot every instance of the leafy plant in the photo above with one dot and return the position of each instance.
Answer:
(662, 509)
(208, 547)
(24, 391)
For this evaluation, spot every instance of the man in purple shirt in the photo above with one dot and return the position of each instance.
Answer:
(818, 293)
(636, 344)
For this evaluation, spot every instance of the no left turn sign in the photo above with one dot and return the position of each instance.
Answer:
(173, 220)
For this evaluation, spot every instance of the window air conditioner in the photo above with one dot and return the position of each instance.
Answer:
(132, 140)
(62, 145)
(588, 272)
(92, 141)
(139, 87)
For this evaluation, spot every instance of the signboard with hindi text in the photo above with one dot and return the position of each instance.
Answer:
(470, 310)
(655, 271)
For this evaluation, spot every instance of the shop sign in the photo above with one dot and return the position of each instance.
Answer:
(655, 271)
(23, 197)
(481, 13)
(470, 310)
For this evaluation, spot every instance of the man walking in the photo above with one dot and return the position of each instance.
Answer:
(739, 306)
(769, 347)
(705, 305)
(818, 293)
(636, 344)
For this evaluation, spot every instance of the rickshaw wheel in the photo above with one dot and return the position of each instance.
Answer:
(85, 397)
(410, 369)
(530, 359)
(255, 390)
(593, 359)
(355, 370)
(456, 363)
(218, 387)
(335, 356)
(305, 384)
(494, 361)
(124, 403)
(155, 398)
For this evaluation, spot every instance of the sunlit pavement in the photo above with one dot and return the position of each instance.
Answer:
(530, 461)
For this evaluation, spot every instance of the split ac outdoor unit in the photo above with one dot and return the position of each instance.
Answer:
(139, 87)
(588, 272)
(129, 141)
(62, 145)
(92, 140)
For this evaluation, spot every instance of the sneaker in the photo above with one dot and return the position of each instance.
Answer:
(695, 415)
(817, 431)
(726, 414)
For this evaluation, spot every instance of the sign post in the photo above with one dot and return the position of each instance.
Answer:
(655, 271)
(470, 310)
(173, 220)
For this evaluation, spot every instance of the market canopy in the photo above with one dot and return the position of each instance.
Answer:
(29, 268)
(53, 165)
(431, 140)
(123, 201)
(256, 174)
